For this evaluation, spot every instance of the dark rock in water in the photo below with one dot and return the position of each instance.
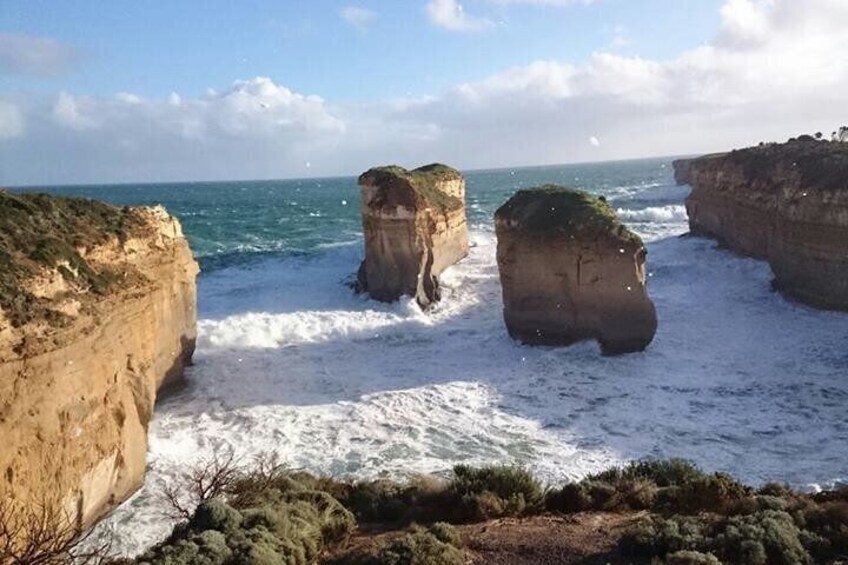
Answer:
(415, 227)
(570, 271)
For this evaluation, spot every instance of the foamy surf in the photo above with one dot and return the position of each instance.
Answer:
(290, 361)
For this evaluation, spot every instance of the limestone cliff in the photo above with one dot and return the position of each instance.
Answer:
(414, 226)
(570, 271)
(97, 313)
(785, 203)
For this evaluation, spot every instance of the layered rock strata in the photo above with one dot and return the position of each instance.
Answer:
(415, 227)
(570, 271)
(785, 203)
(97, 314)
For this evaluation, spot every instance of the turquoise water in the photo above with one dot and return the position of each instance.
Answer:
(229, 223)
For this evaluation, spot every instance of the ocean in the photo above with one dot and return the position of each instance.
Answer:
(291, 361)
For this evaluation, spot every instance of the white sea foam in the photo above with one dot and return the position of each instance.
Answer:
(674, 213)
(290, 361)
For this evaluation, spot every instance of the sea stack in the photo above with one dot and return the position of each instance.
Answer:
(784, 203)
(415, 227)
(570, 271)
(97, 313)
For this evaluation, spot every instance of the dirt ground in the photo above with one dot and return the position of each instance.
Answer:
(586, 538)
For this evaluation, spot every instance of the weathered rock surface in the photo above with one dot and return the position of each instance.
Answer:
(415, 227)
(787, 204)
(97, 313)
(570, 271)
(682, 170)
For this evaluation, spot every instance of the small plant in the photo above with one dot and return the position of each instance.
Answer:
(212, 478)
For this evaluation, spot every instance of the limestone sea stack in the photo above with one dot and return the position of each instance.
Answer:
(785, 203)
(97, 314)
(415, 227)
(570, 271)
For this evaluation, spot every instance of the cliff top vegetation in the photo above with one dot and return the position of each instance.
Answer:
(415, 189)
(565, 210)
(37, 231)
(816, 165)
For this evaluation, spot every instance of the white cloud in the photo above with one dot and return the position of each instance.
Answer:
(357, 16)
(255, 128)
(745, 21)
(67, 112)
(28, 55)
(450, 15)
(12, 123)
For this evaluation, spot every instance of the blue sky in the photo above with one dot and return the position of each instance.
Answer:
(155, 47)
(155, 90)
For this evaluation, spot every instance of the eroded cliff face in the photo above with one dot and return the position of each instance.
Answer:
(787, 204)
(415, 227)
(97, 314)
(570, 271)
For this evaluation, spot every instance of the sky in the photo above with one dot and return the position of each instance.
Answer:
(148, 91)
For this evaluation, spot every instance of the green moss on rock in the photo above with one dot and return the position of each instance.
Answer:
(413, 189)
(562, 210)
(38, 230)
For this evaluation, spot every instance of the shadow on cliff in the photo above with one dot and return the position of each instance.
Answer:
(733, 368)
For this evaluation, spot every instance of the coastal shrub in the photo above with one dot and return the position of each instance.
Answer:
(692, 558)
(446, 533)
(421, 499)
(290, 528)
(706, 493)
(663, 473)
(420, 549)
(828, 521)
(437, 545)
(627, 494)
(766, 537)
(491, 492)
(659, 537)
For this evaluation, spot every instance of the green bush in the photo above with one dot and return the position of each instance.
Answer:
(289, 529)
(491, 492)
(706, 493)
(446, 533)
(663, 473)
(420, 547)
(692, 558)
(767, 537)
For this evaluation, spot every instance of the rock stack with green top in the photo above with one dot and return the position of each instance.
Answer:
(570, 271)
(415, 227)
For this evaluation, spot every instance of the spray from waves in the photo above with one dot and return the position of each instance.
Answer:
(674, 213)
